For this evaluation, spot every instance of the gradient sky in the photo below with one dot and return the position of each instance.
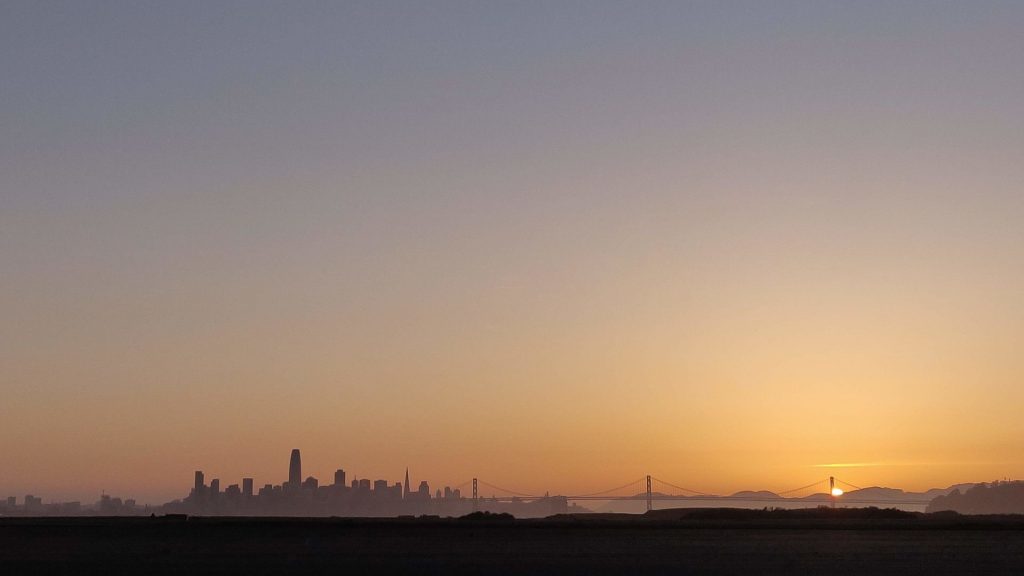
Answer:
(553, 245)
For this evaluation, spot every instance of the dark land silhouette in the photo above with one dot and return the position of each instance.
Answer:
(992, 498)
(682, 541)
(301, 526)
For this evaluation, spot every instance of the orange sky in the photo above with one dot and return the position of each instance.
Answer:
(555, 249)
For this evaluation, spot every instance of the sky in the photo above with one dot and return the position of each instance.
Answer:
(552, 245)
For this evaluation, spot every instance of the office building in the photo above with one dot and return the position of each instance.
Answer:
(295, 469)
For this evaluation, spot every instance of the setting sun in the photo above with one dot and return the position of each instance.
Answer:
(837, 492)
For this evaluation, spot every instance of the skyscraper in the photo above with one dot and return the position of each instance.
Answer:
(295, 469)
(199, 485)
(405, 492)
(247, 487)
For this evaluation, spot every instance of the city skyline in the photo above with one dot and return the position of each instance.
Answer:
(366, 497)
(273, 498)
(738, 244)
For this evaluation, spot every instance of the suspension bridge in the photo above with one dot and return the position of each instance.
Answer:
(649, 489)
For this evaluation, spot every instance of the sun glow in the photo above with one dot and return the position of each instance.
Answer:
(837, 491)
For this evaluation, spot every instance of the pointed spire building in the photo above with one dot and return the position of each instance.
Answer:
(295, 469)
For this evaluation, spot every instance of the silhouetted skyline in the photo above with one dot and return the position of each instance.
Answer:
(366, 497)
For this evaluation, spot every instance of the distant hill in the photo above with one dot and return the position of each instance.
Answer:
(873, 495)
(881, 494)
(755, 494)
(993, 498)
(934, 492)
(816, 497)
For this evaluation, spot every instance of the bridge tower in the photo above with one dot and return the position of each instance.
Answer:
(831, 489)
(475, 501)
(648, 492)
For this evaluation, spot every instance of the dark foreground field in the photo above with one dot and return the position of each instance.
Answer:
(663, 544)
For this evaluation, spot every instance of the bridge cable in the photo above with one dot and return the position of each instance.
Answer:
(513, 492)
(803, 487)
(681, 487)
(626, 485)
(854, 486)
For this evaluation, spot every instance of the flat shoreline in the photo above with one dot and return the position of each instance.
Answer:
(583, 544)
(710, 518)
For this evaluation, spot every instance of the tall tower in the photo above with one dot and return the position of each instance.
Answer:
(405, 492)
(295, 469)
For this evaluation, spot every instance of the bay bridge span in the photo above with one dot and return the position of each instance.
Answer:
(648, 489)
